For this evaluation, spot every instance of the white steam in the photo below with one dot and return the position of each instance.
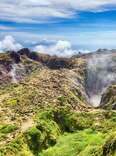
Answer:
(17, 72)
(101, 73)
(13, 73)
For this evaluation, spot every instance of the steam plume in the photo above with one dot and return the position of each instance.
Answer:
(101, 73)
(13, 74)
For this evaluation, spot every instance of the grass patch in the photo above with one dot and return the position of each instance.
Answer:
(80, 143)
(6, 129)
(61, 132)
(16, 148)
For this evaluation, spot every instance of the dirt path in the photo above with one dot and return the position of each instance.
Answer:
(26, 125)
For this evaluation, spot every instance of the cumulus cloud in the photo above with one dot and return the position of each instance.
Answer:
(44, 10)
(60, 48)
(9, 43)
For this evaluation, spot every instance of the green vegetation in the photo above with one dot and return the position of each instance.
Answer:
(16, 148)
(69, 132)
(62, 132)
(44, 134)
(86, 142)
(77, 138)
(6, 129)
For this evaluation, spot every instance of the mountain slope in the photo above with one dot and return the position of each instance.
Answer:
(43, 97)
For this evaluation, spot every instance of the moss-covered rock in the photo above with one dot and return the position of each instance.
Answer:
(109, 148)
(108, 100)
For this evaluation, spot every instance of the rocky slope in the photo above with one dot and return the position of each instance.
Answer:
(108, 100)
(68, 88)
(31, 84)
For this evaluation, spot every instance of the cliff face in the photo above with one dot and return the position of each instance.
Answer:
(108, 100)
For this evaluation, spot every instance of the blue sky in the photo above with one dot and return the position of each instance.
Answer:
(85, 25)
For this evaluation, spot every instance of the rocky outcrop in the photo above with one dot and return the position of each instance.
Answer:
(15, 57)
(52, 62)
(108, 100)
(16, 65)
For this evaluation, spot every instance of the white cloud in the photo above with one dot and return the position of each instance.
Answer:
(85, 51)
(62, 45)
(90, 40)
(60, 48)
(2, 27)
(35, 11)
(8, 43)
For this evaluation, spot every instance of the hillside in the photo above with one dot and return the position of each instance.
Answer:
(51, 106)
